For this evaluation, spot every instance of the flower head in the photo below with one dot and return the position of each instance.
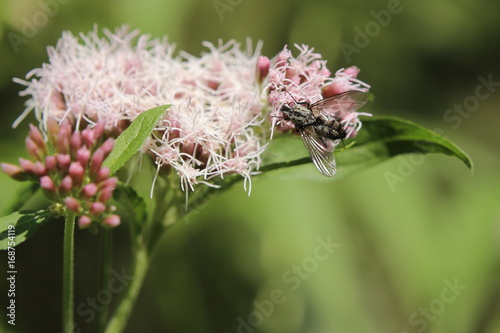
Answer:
(109, 80)
(306, 79)
(81, 184)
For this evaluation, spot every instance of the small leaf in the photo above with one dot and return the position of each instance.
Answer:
(132, 139)
(381, 138)
(19, 198)
(131, 207)
(22, 224)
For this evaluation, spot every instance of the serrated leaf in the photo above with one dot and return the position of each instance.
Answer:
(132, 139)
(25, 223)
(19, 197)
(381, 138)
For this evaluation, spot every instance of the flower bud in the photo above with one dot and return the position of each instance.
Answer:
(83, 155)
(111, 221)
(37, 138)
(63, 161)
(107, 146)
(96, 161)
(109, 183)
(51, 163)
(352, 71)
(84, 221)
(72, 204)
(27, 165)
(75, 141)
(47, 184)
(76, 172)
(33, 149)
(52, 130)
(39, 169)
(102, 174)
(89, 190)
(66, 185)
(97, 208)
(98, 131)
(14, 171)
(263, 65)
(62, 143)
(332, 89)
(88, 137)
(105, 194)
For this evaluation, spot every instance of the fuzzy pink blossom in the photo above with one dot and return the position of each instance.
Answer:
(308, 80)
(216, 106)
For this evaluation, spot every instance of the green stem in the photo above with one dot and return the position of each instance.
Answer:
(143, 251)
(106, 245)
(68, 267)
(119, 319)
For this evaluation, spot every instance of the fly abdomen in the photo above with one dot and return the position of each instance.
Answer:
(331, 132)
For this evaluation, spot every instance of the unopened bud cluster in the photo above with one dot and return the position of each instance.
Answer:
(69, 169)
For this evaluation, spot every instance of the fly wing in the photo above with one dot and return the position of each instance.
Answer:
(321, 154)
(338, 105)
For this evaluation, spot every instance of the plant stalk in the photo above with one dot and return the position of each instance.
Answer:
(68, 272)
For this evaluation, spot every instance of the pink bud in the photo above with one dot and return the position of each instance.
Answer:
(96, 208)
(63, 161)
(33, 149)
(96, 162)
(52, 129)
(47, 184)
(88, 137)
(14, 171)
(84, 221)
(72, 204)
(105, 194)
(62, 143)
(107, 146)
(76, 141)
(352, 71)
(98, 131)
(50, 163)
(39, 169)
(332, 89)
(102, 174)
(27, 165)
(89, 190)
(263, 65)
(109, 183)
(83, 155)
(76, 172)
(111, 221)
(66, 185)
(37, 138)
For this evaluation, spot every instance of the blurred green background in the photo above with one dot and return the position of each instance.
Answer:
(400, 247)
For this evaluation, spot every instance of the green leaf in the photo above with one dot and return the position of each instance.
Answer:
(22, 224)
(19, 198)
(381, 138)
(131, 207)
(132, 139)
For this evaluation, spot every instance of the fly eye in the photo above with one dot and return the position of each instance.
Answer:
(285, 108)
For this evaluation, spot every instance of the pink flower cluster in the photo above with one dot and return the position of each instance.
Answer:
(214, 125)
(210, 129)
(307, 79)
(69, 170)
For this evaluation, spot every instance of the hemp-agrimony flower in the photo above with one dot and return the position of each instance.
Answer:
(212, 126)
(69, 170)
(307, 79)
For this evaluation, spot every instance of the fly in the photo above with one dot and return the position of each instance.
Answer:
(319, 125)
